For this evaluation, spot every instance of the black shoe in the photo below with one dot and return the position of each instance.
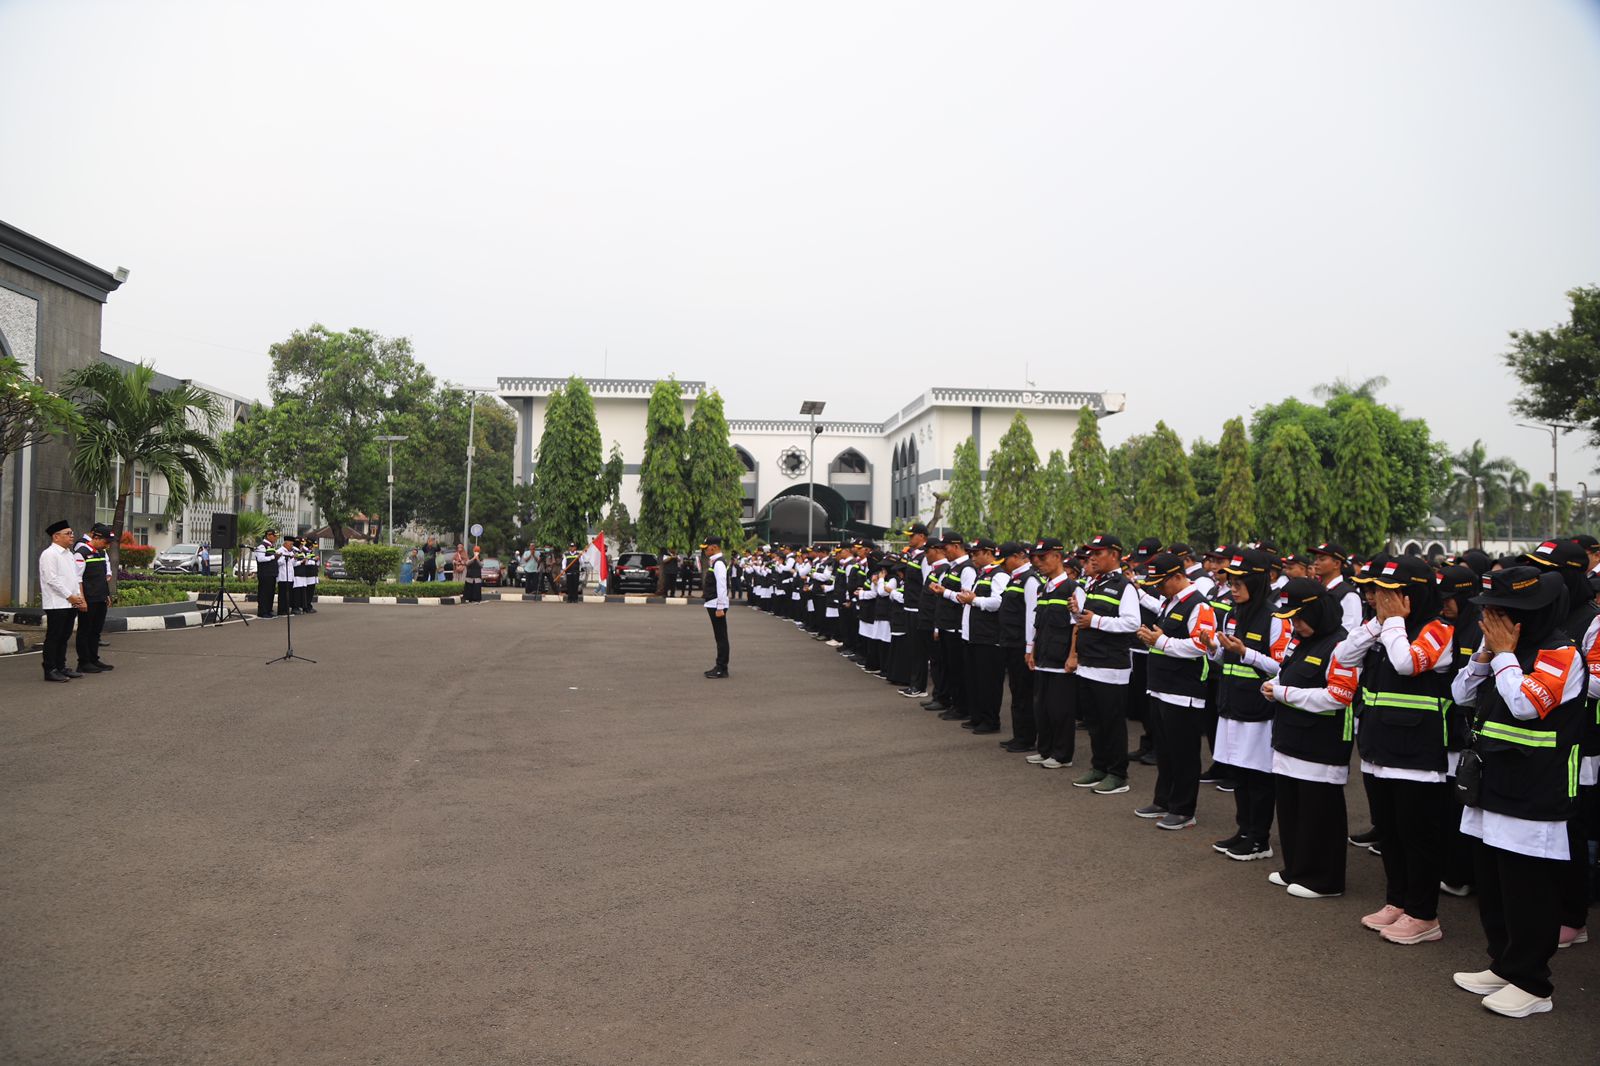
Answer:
(265, 617)
(936, 705)
(985, 730)
(1222, 847)
(70, 673)
(1147, 759)
(1138, 753)
(1364, 840)
(89, 668)
(968, 723)
(55, 675)
(1016, 747)
(102, 666)
(1225, 785)
(1212, 775)
(716, 673)
(952, 715)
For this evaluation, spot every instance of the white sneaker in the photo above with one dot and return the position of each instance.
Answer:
(1455, 890)
(834, 643)
(1276, 878)
(1302, 892)
(1055, 764)
(1482, 983)
(1036, 758)
(1513, 1002)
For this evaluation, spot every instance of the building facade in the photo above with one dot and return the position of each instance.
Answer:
(50, 305)
(878, 474)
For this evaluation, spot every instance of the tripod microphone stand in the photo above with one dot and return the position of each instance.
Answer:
(222, 591)
(288, 640)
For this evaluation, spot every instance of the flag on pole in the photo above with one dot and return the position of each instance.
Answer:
(598, 559)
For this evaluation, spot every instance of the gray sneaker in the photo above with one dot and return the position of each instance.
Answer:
(1176, 821)
(1151, 811)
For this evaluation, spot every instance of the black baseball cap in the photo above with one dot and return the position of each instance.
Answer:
(712, 541)
(1559, 553)
(1586, 542)
(1160, 567)
(917, 527)
(1246, 561)
(1519, 587)
(1012, 547)
(1403, 572)
(1221, 551)
(1047, 544)
(1458, 580)
(1103, 541)
(1300, 559)
(954, 538)
(1329, 548)
(1180, 549)
(100, 529)
(1297, 594)
(983, 544)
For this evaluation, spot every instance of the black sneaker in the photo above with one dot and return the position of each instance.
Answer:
(1364, 840)
(1225, 785)
(1212, 775)
(1151, 811)
(1225, 846)
(1249, 850)
(1016, 747)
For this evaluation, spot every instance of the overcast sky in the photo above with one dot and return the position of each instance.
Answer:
(1204, 205)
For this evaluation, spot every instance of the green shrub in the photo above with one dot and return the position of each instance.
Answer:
(143, 594)
(372, 563)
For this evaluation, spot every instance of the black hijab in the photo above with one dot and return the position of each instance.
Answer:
(1539, 622)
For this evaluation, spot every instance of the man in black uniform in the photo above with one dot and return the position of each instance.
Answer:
(959, 577)
(715, 594)
(1017, 606)
(91, 556)
(266, 573)
(573, 561)
(911, 591)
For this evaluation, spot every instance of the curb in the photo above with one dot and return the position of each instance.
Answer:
(11, 644)
(539, 597)
(409, 601)
(137, 624)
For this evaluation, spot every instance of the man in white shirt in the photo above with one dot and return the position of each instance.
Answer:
(62, 598)
(715, 593)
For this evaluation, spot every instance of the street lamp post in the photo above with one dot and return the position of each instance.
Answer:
(1583, 522)
(472, 413)
(812, 408)
(1555, 430)
(391, 441)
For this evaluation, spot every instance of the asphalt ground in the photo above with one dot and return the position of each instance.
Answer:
(533, 833)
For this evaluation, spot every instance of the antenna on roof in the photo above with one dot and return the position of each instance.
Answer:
(1025, 376)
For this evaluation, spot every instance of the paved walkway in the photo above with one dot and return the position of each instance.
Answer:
(503, 834)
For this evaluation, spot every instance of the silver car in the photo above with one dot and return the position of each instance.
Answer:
(178, 559)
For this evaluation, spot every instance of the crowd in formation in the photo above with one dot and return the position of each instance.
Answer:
(1469, 690)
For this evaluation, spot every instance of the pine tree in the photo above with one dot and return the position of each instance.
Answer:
(714, 472)
(1165, 493)
(1091, 482)
(571, 488)
(1016, 500)
(1055, 493)
(1236, 489)
(966, 492)
(1359, 506)
(1290, 494)
(665, 509)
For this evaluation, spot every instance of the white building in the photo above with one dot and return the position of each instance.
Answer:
(866, 473)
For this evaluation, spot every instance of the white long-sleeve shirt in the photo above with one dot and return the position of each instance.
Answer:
(1349, 604)
(1126, 620)
(58, 577)
(719, 571)
(991, 603)
(1030, 600)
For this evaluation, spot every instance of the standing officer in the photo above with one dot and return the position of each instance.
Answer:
(61, 597)
(714, 591)
(980, 634)
(1103, 664)
(1017, 606)
(266, 573)
(911, 590)
(1327, 566)
(1175, 682)
(92, 577)
(571, 562)
(1052, 639)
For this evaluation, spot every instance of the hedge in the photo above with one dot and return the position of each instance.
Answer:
(425, 590)
(143, 594)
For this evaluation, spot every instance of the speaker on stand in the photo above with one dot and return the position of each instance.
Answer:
(225, 535)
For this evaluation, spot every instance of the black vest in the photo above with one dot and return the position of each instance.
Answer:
(1014, 609)
(911, 583)
(1402, 718)
(1052, 623)
(1530, 768)
(1458, 719)
(95, 585)
(708, 582)
(1096, 647)
(947, 616)
(1174, 676)
(932, 582)
(983, 627)
(267, 567)
(1240, 693)
(1315, 736)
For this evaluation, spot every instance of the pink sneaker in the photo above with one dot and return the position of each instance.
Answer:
(1384, 918)
(1571, 936)
(1409, 930)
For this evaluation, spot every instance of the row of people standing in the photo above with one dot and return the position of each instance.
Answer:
(1416, 669)
(287, 573)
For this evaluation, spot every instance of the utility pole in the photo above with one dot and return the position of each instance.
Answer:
(1555, 430)
(391, 441)
(472, 413)
(812, 408)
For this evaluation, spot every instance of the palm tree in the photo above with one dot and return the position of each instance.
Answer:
(1476, 482)
(1361, 390)
(1515, 490)
(126, 421)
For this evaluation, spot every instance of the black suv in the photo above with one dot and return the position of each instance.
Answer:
(635, 572)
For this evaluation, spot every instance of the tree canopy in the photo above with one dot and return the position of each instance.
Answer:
(1559, 367)
(665, 508)
(966, 492)
(1165, 492)
(1016, 500)
(1290, 499)
(1090, 470)
(714, 471)
(1236, 485)
(569, 490)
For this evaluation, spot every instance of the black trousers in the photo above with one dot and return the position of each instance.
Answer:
(1054, 698)
(90, 624)
(286, 599)
(900, 658)
(719, 630)
(57, 632)
(530, 582)
(430, 569)
(1105, 711)
(921, 649)
(1312, 824)
(1024, 727)
(1253, 796)
(953, 653)
(266, 587)
(936, 679)
(1138, 691)
(1407, 813)
(1177, 756)
(1574, 907)
(1456, 859)
(986, 684)
(1517, 904)
(573, 594)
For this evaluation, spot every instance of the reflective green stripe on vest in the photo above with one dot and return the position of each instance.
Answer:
(1402, 699)
(1515, 734)
(1012, 588)
(1104, 598)
(1048, 603)
(1249, 673)
(1573, 759)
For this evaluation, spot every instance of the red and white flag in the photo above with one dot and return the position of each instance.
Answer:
(597, 557)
